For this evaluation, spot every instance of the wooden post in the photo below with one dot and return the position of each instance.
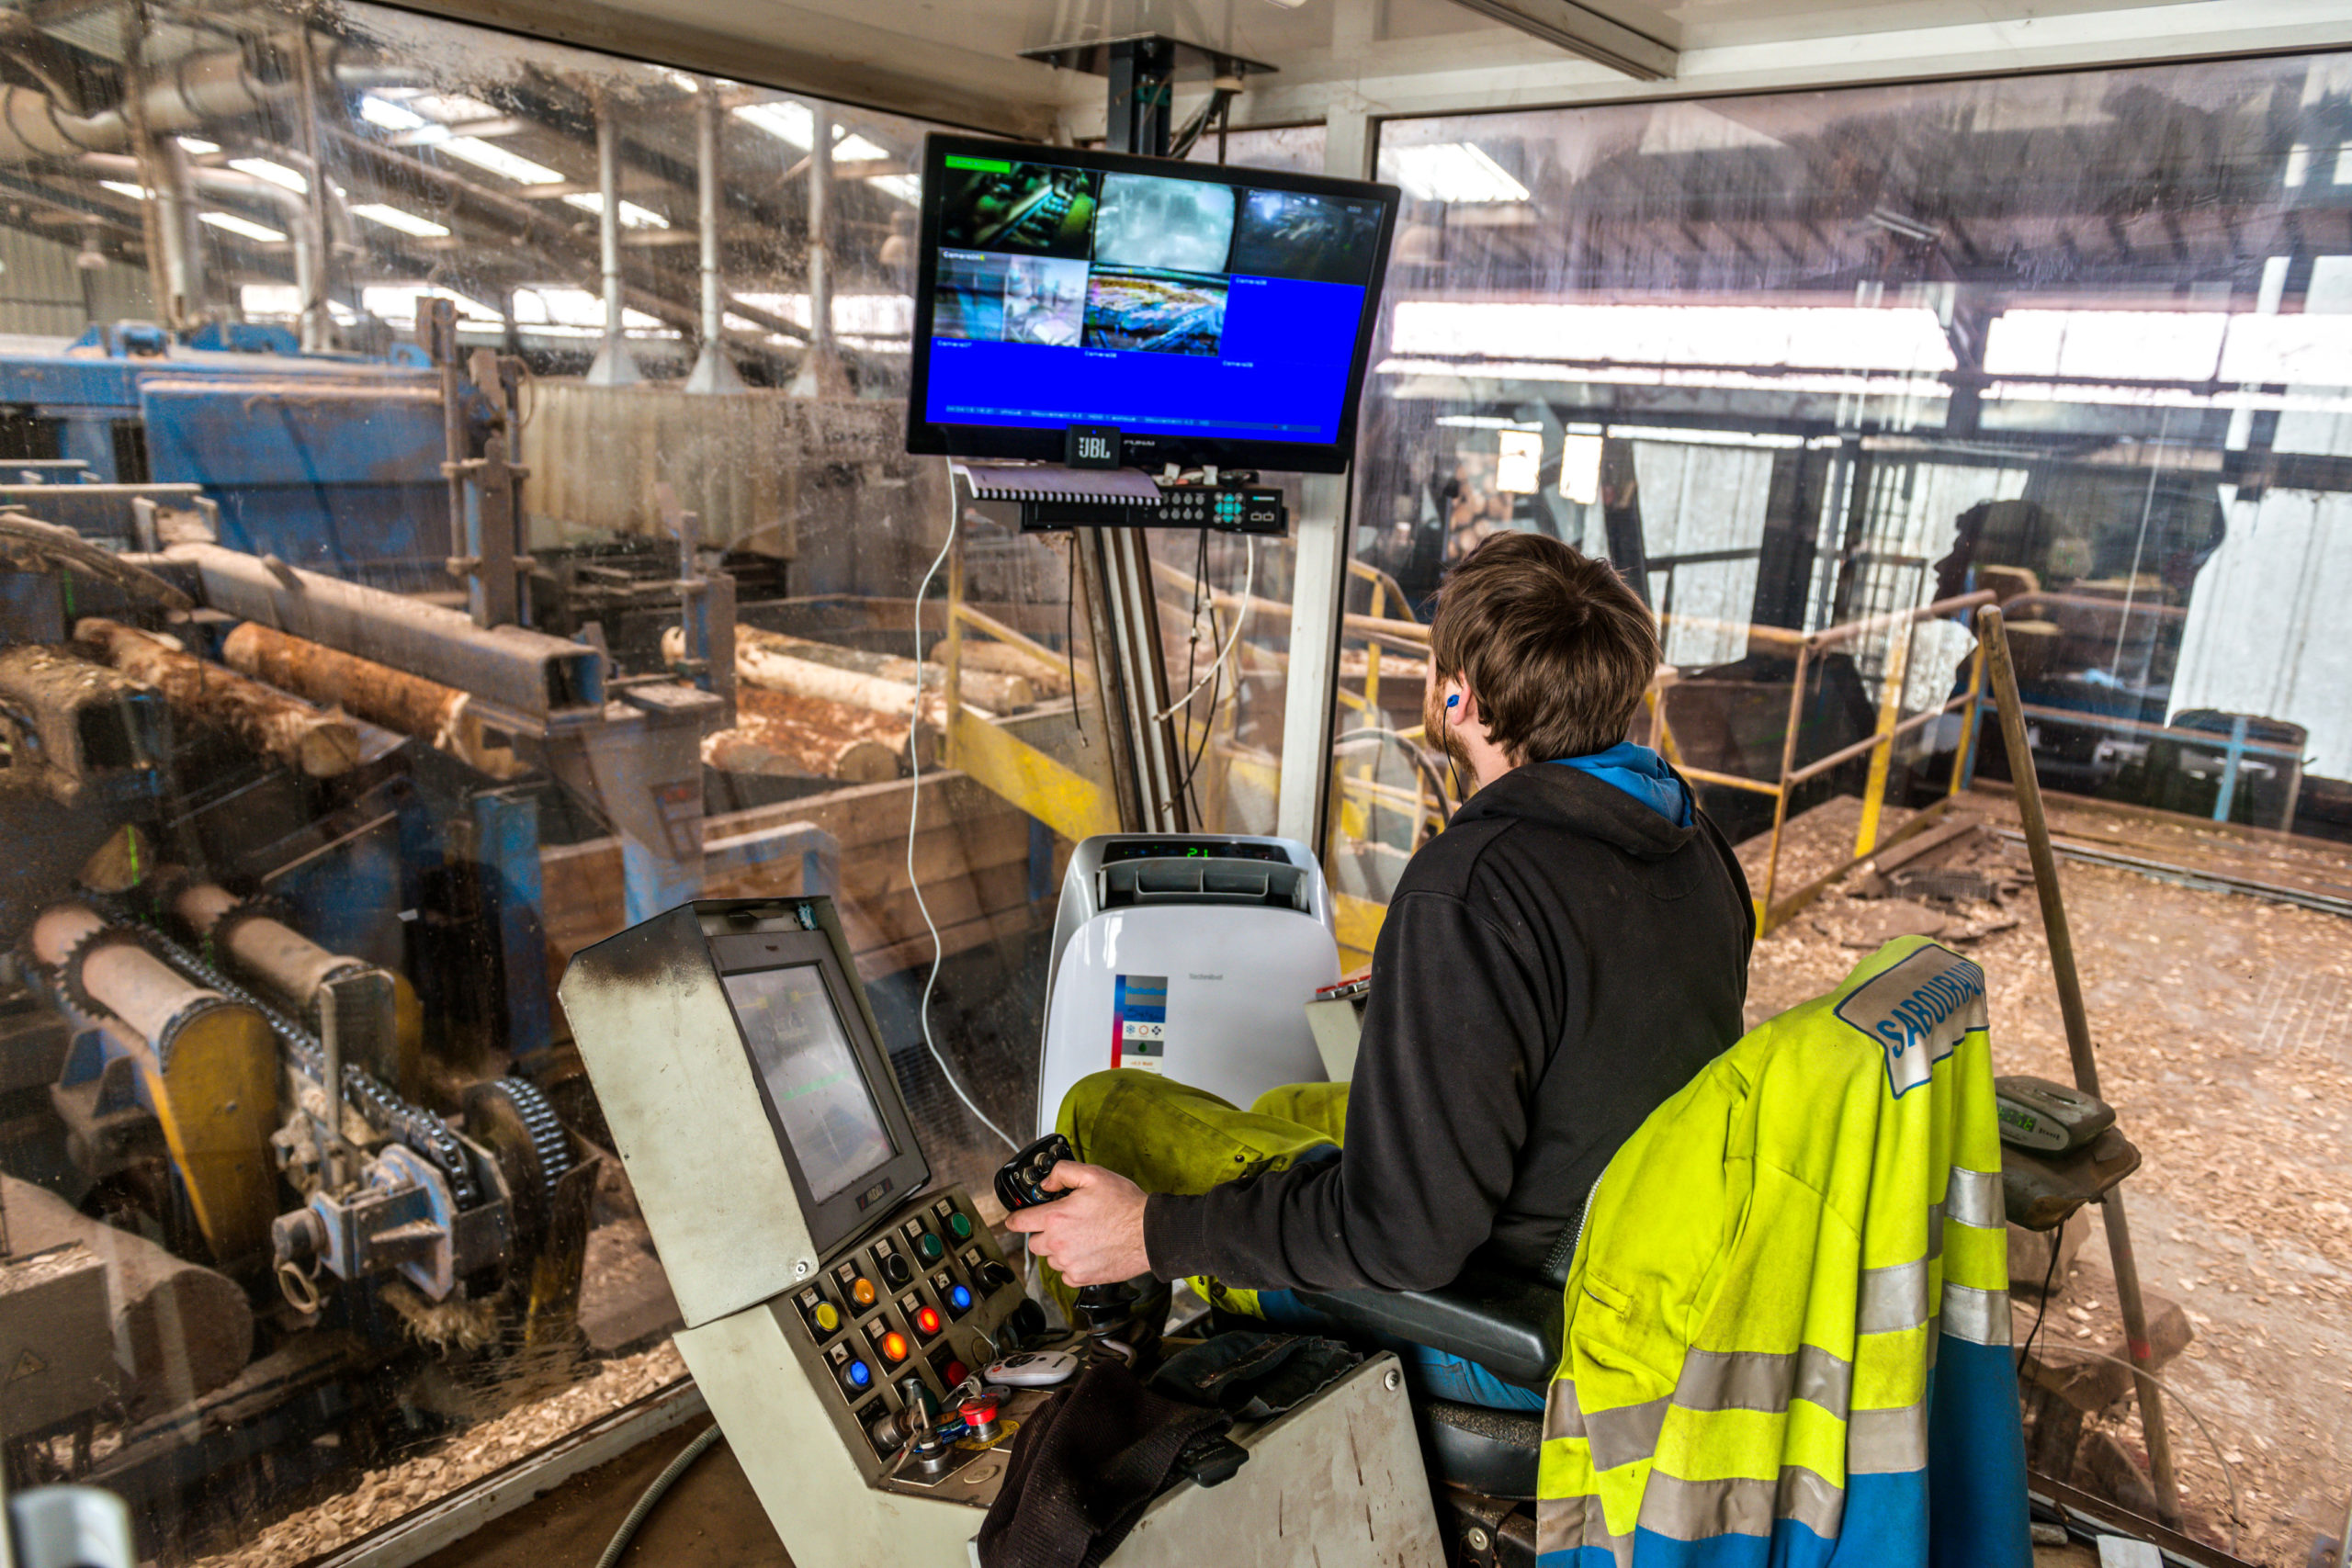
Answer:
(1995, 641)
(1780, 797)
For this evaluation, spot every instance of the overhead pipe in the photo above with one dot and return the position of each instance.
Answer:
(183, 96)
(303, 228)
(615, 366)
(714, 370)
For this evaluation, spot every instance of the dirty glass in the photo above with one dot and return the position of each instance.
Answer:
(1823, 372)
(293, 770)
(1224, 602)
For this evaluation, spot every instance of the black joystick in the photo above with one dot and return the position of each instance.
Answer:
(1020, 1181)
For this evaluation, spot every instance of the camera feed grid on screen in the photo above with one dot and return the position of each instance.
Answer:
(810, 1076)
(1034, 254)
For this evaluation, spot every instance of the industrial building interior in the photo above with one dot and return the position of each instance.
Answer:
(454, 505)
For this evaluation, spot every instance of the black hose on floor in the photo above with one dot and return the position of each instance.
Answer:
(661, 1483)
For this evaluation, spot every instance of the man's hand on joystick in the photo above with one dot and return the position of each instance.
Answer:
(1094, 1234)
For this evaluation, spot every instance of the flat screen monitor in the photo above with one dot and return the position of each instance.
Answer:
(1209, 314)
(822, 1078)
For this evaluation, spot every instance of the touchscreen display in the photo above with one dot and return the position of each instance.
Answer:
(1174, 307)
(810, 1076)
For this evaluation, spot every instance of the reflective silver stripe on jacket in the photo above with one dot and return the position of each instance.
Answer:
(1974, 1199)
(1694, 1510)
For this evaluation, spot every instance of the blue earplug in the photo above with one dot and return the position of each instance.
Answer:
(1453, 702)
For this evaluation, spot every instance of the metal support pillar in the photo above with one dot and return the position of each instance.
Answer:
(820, 362)
(615, 364)
(1139, 670)
(1123, 604)
(1142, 70)
(506, 839)
(713, 371)
(1310, 697)
(1995, 640)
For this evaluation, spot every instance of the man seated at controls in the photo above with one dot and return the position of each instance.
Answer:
(1560, 960)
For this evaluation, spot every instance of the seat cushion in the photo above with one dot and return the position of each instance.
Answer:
(1497, 1453)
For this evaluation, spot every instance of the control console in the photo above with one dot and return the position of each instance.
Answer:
(902, 1314)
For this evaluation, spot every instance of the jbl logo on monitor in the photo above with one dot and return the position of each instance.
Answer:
(1092, 446)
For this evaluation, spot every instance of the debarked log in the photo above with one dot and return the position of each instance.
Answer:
(288, 728)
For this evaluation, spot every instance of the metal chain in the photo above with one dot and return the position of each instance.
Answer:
(420, 1128)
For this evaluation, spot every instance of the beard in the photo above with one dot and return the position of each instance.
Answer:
(1440, 734)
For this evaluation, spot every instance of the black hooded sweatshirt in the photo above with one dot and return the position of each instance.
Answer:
(1554, 965)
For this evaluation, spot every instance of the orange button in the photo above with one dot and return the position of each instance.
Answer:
(863, 1291)
(927, 1320)
(894, 1347)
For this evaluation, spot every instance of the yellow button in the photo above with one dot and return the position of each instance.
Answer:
(827, 1317)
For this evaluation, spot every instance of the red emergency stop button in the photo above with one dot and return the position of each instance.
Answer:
(927, 1323)
(894, 1347)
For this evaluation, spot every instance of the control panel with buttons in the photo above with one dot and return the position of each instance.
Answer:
(1232, 509)
(902, 1315)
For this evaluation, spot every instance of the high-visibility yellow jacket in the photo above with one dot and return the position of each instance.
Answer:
(1788, 1319)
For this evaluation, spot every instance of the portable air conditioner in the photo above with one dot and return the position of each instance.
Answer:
(1191, 955)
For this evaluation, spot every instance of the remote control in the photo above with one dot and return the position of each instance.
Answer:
(1033, 1368)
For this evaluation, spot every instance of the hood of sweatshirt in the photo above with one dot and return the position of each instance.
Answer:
(1575, 798)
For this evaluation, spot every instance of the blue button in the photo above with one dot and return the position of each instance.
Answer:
(858, 1375)
(960, 1298)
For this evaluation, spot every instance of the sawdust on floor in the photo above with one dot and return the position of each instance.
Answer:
(384, 1494)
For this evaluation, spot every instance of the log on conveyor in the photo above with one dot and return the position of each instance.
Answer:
(764, 666)
(989, 690)
(288, 728)
(439, 716)
(1047, 679)
(785, 736)
(180, 1329)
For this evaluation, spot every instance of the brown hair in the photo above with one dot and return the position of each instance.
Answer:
(1554, 646)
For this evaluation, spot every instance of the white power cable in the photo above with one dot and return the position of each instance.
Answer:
(914, 812)
(1249, 580)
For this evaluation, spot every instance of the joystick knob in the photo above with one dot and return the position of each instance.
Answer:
(991, 1277)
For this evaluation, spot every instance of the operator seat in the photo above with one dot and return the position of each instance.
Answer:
(1509, 1324)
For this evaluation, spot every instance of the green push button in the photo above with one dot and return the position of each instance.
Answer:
(959, 1226)
(932, 1247)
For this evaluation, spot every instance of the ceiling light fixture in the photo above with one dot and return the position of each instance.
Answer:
(123, 187)
(790, 123)
(632, 215)
(245, 227)
(1457, 171)
(389, 115)
(197, 144)
(276, 173)
(406, 222)
(498, 161)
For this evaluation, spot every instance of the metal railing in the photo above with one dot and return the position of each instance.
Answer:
(1879, 746)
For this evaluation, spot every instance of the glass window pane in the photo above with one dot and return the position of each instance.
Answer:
(322, 767)
(1809, 367)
